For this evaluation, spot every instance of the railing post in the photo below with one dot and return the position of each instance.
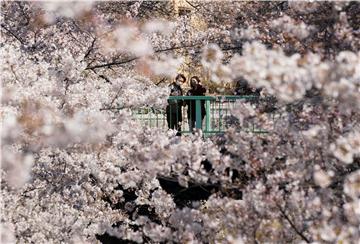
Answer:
(170, 117)
(219, 115)
(208, 120)
(198, 113)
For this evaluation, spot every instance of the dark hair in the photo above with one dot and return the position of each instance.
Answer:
(182, 76)
(197, 81)
(196, 78)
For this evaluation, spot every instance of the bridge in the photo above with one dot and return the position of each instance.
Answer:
(211, 114)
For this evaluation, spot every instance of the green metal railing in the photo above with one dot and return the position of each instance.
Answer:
(211, 114)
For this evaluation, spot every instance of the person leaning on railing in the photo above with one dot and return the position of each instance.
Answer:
(196, 90)
(173, 109)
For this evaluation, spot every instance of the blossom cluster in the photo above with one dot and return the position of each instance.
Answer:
(78, 168)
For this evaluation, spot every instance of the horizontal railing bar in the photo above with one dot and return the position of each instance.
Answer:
(213, 98)
(257, 131)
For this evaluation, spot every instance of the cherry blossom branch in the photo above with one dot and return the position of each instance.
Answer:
(102, 77)
(13, 34)
(112, 63)
(300, 233)
(192, 5)
(129, 60)
(91, 48)
(111, 108)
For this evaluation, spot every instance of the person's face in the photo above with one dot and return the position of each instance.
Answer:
(193, 83)
(180, 80)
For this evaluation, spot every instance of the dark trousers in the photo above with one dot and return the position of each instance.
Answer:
(174, 119)
(192, 121)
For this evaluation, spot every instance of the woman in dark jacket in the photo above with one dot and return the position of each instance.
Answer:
(173, 109)
(196, 90)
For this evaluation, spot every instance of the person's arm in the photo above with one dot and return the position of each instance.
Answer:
(202, 89)
(180, 91)
(187, 102)
(171, 89)
(181, 102)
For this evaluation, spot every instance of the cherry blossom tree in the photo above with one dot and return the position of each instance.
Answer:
(77, 168)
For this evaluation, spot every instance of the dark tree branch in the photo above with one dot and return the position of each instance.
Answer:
(67, 84)
(90, 49)
(105, 78)
(102, 77)
(115, 97)
(300, 233)
(112, 63)
(129, 60)
(13, 34)
(192, 5)
(111, 108)
(229, 48)
(161, 81)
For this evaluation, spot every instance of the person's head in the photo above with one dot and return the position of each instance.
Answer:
(241, 83)
(194, 81)
(180, 78)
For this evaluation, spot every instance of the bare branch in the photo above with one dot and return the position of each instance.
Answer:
(111, 108)
(112, 63)
(192, 5)
(300, 233)
(13, 34)
(161, 81)
(102, 77)
(129, 60)
(90, 49)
